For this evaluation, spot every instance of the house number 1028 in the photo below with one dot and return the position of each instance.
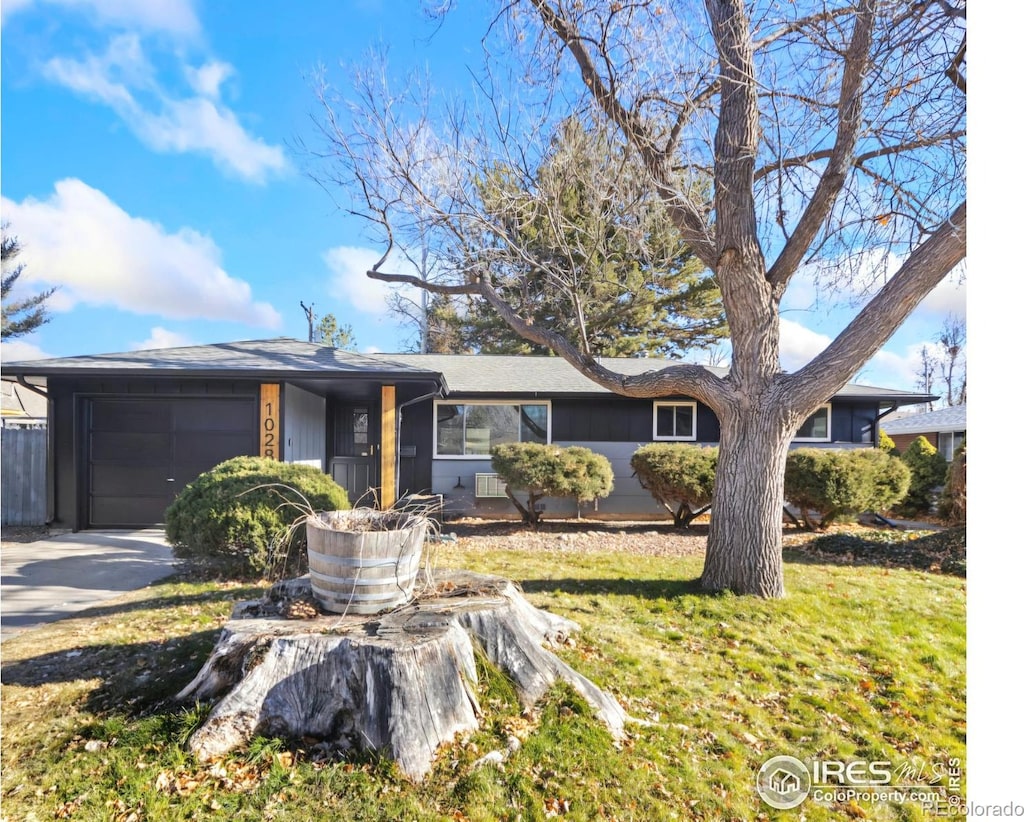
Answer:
(270, 421)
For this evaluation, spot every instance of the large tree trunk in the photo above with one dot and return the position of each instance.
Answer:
(744, 550)
(401, 683)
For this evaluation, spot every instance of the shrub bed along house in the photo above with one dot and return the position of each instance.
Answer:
(237, 518)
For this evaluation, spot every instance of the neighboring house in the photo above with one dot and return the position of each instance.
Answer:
(22, 455)
(945, 429)
(21, 407)
(128, 431)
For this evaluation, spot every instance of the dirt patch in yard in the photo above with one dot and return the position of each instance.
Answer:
(852, 544)
(650, 538)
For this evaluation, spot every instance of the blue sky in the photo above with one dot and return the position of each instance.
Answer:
(150, 170)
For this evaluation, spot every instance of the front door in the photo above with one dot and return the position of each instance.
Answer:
(356, 461)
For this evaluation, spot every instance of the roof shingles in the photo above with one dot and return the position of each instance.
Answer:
(464, 374)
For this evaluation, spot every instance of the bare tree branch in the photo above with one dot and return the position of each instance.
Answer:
(877, 321)
(840, 158)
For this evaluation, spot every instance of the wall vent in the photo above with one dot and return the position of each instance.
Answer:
(489, 485)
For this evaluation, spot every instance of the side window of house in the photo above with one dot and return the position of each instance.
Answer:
(471, 429)
(948, 443)
(675, 420)
(817, 427)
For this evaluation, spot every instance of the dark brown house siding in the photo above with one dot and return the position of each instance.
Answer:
(903, 441)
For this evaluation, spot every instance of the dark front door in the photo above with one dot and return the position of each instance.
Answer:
(355, 465)
(142, 452)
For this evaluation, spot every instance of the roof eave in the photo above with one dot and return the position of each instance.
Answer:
(13, 373)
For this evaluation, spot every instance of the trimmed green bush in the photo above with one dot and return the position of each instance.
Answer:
(887, 479)
(235, 519)
(839, 484)
(550, 471)
(927, 472)
(953, 502)
(679, 477)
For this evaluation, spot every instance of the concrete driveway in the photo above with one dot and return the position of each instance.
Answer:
(52, 578)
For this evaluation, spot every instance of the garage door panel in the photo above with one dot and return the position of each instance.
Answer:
(134, 447)
(128, 480)
(113, 512)
(144, 451)
(208, 449)
(212, 415)
(131, 415)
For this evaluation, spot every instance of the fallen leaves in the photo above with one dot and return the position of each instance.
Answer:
(223, 775)
(555, 807)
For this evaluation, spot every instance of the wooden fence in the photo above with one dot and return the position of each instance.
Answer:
(23, 476)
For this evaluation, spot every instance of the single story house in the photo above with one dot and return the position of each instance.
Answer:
(128, 431)
(946, 429)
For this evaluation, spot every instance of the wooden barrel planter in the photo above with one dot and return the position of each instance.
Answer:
(364, 561)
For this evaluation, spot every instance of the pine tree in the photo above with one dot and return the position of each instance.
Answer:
(628, 285)
(25, 315)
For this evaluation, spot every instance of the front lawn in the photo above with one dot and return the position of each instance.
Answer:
(859, 662)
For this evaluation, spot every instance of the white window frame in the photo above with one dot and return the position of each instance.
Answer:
(947, 441)
(439, 403)
(688, 403)
(828, 425)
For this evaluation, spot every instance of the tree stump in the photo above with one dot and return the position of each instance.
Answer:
(399, 683)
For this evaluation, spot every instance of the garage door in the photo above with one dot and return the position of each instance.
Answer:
(142, 452)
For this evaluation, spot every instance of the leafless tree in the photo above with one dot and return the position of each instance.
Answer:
(807, 135)
(953, 341)
(927, 365)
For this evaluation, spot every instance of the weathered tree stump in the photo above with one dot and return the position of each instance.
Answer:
(401, 683)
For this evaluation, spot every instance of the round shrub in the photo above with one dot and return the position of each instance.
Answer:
(886, 443)
(552, 471)
(838, 484)
(927, 472)
(236, 518)
(886, 478)
(679, 477)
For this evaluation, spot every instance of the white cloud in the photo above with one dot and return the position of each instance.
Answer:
(886, 369)
(19, 350)
(798, 345)
(100, 255)
(820, 289)
(106, 77)
(889, 369)
(160, 337)
(201, 125)
(948, 297)
(124, 79)
(348, 265)
(168, 16)
(208, 78)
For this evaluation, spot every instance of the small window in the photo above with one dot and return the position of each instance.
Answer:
(471, 429)
(817, 427)
(948, 443)
(675, 420)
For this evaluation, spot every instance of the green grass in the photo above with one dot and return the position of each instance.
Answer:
(857, 662)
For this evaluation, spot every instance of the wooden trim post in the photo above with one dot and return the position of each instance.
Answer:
(388, 447)
(270, 421)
